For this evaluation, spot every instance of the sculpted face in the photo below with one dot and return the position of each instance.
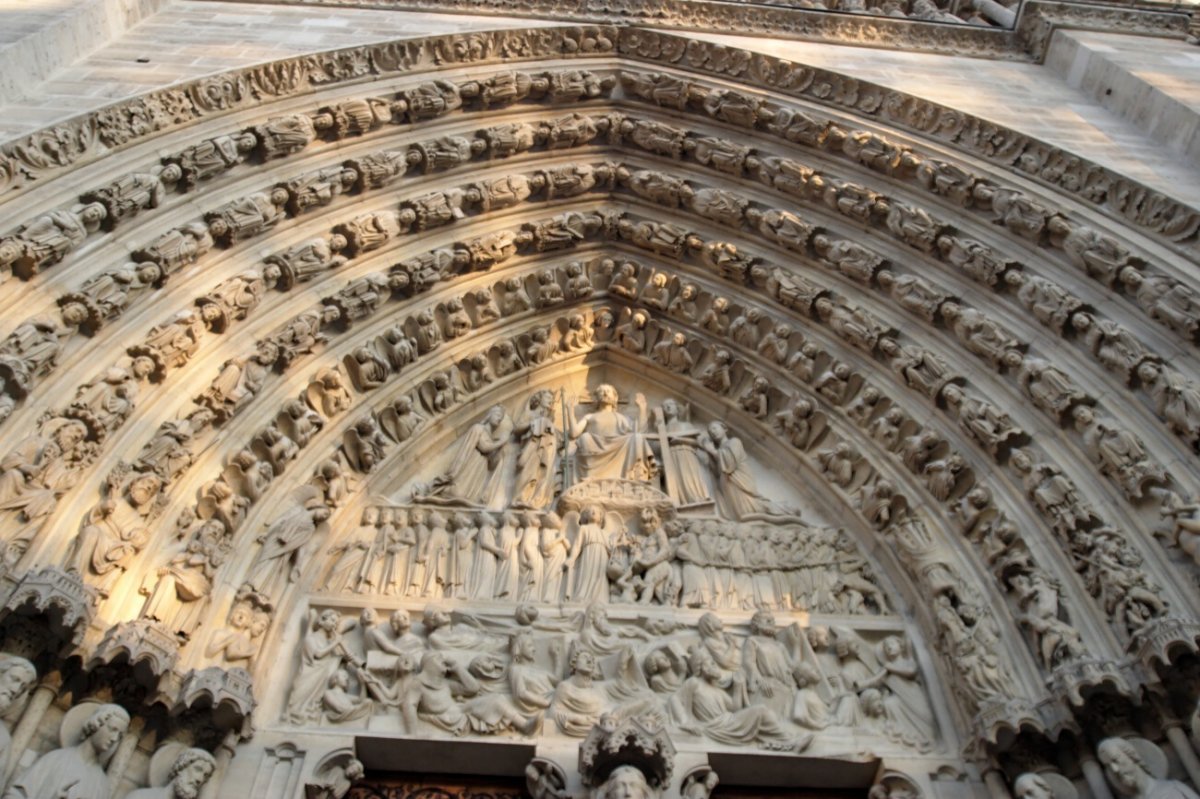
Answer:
(1122, 766)
(189, 780)
(14, 682)
(109, 733)
(626, 782)
(1031, 786)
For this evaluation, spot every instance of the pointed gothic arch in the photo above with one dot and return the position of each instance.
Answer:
(1028, 312)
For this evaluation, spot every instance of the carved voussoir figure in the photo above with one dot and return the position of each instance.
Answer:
(48, 239)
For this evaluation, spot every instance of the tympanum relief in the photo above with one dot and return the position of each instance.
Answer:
(529, 575)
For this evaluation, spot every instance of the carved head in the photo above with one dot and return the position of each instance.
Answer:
(763, 623)
(606, 396)
(328, 621)
(1123, 765)
(625, 782)
(191, 770)
(104, 728)
(709, 625)
(16, 676)
(400, 622)
(1032, 786)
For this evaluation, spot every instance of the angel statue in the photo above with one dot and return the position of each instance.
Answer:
(587, 563)
(322, 653)
(608, 444)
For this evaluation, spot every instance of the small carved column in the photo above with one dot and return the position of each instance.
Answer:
(1183, 748)
(993, 778)
(43, 696)
(224, 755)
(1094, 774)
(125, 749)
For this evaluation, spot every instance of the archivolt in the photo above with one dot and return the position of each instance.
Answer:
(945, 230)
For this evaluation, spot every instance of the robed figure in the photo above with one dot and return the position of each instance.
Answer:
(536, 478)
(737, 494)
(476, 474)
(608, 444)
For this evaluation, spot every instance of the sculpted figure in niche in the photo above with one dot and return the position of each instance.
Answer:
(539, 346)
(745, 329)
(178, 247)
(107, 545)
(108, 294)
(239, 382)
(283, 136)
(1165, 299)
(1112, 344)
(715, 318)
(716, 376)
(447, 152)
(238, 640)
(1049, 387)
(1176, 399)
(319, 187)
(579, 285)
(578, 336)
(246, 217)
(180, 595)
(515, 298)
(187, 777)
(1129, 773)
(919, 368)
(631, 332)
(914, 293)
(755, 400)
(211, 157)
(49, 238)
(77, 770)
(672, 352)
(1119, 453)
(550, 293)
(797, 423)
(981, 334)
(326, 394)
(508, 360)
(378, 169)
(1050, 303)
(803, 362)
(399, 420)
(975, 259)
(684, 305)
(477, 372)
(775, 344)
